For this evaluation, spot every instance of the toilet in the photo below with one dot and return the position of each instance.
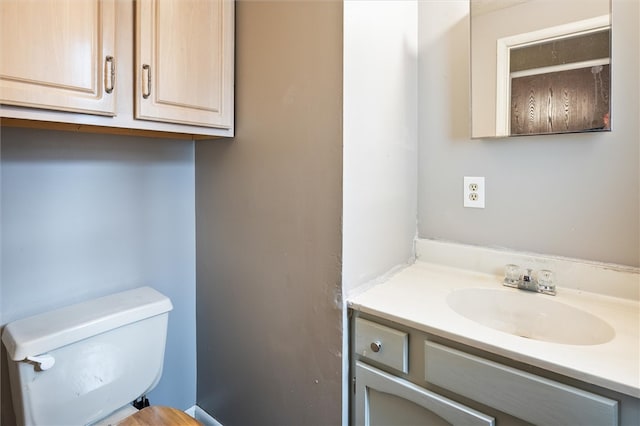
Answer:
(86, 363)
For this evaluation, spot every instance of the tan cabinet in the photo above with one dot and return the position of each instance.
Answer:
(167, 68)
(58, 55)
(181, 74)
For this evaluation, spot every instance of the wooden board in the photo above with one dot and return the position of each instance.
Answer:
(157, 415)
(563, 101)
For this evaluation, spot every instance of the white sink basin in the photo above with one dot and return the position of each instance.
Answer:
(530, 315)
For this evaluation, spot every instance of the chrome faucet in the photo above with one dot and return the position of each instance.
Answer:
(541, 282)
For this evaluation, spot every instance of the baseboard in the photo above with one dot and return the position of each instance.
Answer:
(202, 416)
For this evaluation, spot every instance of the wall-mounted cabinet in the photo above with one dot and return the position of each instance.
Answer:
(181, 71)
(58, 55)
(168, 68)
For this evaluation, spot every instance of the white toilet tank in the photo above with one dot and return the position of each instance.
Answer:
(88, 359)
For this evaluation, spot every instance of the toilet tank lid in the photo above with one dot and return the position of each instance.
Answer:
(54, 329)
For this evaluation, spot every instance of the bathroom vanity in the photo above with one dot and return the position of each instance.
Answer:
(423, 354)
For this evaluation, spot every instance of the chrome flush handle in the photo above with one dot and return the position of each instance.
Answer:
(44, 361)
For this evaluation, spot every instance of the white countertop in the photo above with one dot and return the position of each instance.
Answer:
(416, 296)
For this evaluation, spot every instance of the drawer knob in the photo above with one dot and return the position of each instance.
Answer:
(376, 346)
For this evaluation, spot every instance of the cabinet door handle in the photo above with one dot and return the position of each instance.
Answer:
(146, 82)
(109, 74)
(376, 346)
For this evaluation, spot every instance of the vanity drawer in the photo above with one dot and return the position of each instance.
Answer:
(382, 344)
(532, 398)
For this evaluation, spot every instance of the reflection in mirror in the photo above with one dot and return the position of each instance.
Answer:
(539, 67)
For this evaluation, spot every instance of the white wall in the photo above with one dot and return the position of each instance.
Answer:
(379, 137)
(380, 142)
(575, 195)
(88, 215)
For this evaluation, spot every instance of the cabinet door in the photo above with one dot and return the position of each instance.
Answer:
(58, 54)
(184, 61)
(384, 399)
(524, 395)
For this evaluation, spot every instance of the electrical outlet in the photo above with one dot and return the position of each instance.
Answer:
(474, 192)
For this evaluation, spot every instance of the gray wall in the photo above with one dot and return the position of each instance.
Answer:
(268, 225)
(88, 215)
(575, 195)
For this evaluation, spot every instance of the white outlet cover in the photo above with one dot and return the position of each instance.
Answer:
(470, 200)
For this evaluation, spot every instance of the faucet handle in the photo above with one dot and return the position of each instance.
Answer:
(546, 282)
(512, 275)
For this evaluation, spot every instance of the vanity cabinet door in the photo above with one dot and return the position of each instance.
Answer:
(384, 399)
(58, 55)
(184, 62)
(523, 395)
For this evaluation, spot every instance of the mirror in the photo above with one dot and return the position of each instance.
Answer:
(540, 67)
